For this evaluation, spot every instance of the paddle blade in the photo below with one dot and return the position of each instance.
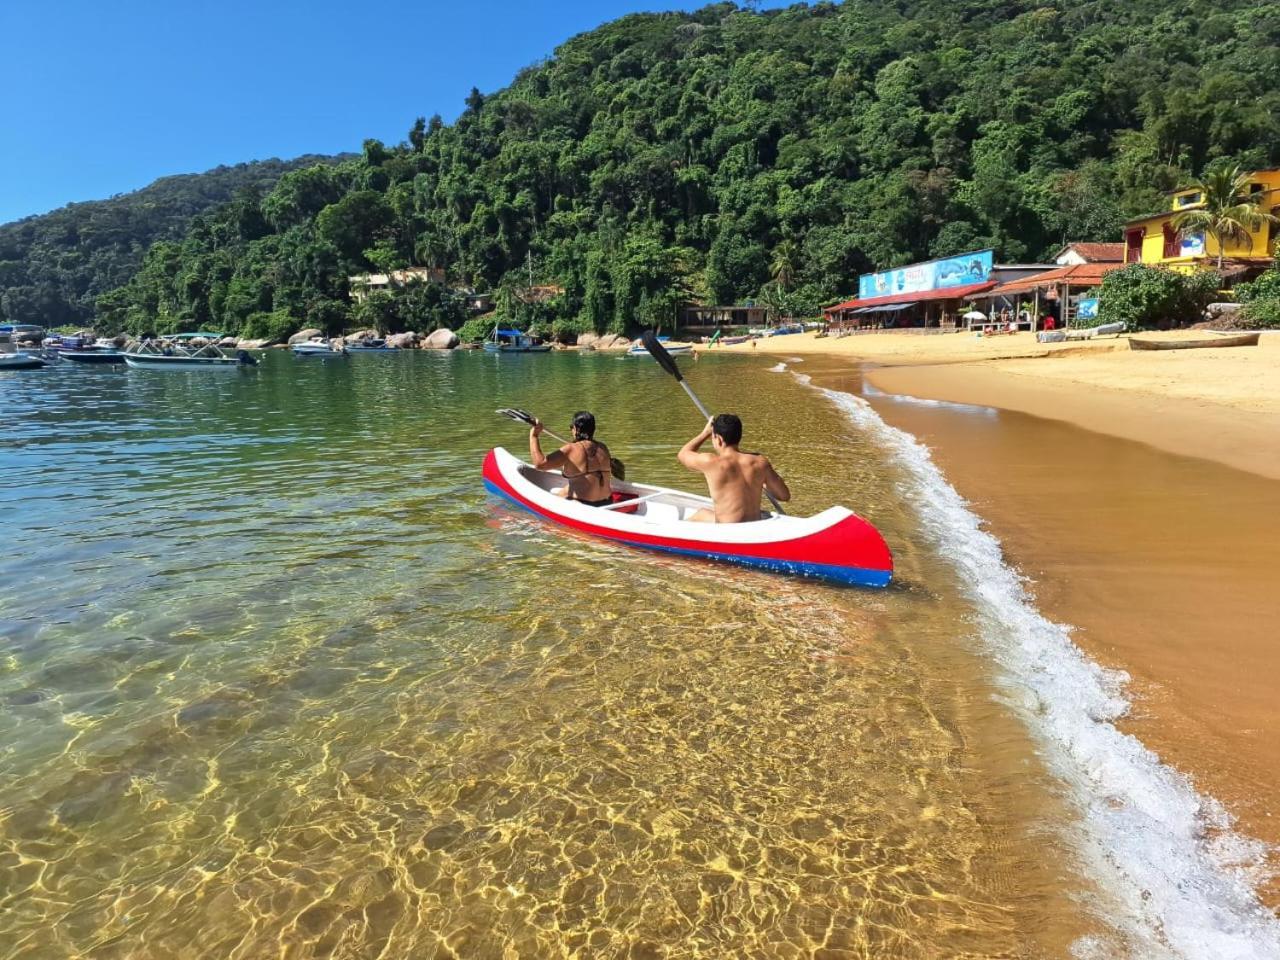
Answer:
(521, 416)
(617, 468)
(659, 353)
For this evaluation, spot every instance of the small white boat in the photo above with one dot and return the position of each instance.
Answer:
(637, 348)
(318, 347)
(12, 359)
(21, 361)
(185, 351)
(369, 346)
(835, 544)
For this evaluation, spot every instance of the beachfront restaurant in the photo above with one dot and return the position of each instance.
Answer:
(1049, 299)
(932, 294)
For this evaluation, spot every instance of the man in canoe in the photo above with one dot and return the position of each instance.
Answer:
(736, 479)
(584, 462)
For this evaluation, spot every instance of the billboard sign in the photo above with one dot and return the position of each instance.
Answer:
(957, 271)
(1087, 309)
(1191, 245)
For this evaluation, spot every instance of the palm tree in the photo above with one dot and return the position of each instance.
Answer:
(783, 267)
(1229, 210)
(774, 299)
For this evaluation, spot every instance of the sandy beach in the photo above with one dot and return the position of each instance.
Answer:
(1219, 404)
(1138, 493)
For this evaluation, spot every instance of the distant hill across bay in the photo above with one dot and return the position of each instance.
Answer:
(53, 265)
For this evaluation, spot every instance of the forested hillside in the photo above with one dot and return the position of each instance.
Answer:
(731, 153)
(54, 265)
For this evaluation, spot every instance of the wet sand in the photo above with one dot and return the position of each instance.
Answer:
(1164, 563)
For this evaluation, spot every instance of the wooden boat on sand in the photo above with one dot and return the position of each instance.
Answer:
(1226, 340)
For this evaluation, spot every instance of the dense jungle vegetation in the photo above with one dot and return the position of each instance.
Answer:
(732, 153)
(53, 266)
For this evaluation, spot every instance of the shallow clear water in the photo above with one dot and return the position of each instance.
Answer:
(278, 678)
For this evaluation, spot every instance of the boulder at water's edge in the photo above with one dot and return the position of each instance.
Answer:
(404, 341)
(440, 340)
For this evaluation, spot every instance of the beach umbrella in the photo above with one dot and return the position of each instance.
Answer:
(975, 315)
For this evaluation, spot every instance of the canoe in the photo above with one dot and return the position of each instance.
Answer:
(1231, 340)
(835, 544)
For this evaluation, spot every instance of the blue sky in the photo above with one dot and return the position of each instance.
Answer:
(102, 97)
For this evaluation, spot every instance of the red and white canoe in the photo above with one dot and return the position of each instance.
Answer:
(835, 544)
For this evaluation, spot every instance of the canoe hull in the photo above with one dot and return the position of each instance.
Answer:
(836, 545)
(1238, 340)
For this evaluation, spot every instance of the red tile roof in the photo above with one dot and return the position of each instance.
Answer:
(946, 293)
(1076, 274)
(1097, 252)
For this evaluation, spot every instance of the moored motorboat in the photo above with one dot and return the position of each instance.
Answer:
(513, 341)
(835, 544)
(1229, 340)
(81, 350)
(12, 359)
(21, 361)
(318, 347)
(369, 346)
(185, 351)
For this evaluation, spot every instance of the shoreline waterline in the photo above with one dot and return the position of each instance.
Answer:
(1078, 707)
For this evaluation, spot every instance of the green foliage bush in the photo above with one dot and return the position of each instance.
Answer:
(276, 325)
(1145, 298)
(476, 329)
(1261, 299)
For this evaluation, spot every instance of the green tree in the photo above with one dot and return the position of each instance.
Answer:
(783, 265)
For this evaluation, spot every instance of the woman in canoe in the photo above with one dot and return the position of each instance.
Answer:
(584, 462)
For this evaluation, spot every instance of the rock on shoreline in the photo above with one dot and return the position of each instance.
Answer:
(603, 341)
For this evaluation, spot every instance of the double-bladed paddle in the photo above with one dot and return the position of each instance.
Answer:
(616, 466)
(668, 363)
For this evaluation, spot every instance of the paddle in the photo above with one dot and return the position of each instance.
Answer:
(668, 363)
(616, 466)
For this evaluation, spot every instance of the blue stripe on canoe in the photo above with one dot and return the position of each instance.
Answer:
(855, 576)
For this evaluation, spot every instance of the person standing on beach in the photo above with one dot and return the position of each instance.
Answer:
(735, 479)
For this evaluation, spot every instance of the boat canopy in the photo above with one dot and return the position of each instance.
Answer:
(509, 333)
(192, 336)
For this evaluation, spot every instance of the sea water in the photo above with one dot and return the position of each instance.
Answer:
(278, 678)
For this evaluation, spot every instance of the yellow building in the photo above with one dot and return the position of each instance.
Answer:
(1154, 240)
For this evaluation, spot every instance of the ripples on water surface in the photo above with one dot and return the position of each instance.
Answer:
(276, 678)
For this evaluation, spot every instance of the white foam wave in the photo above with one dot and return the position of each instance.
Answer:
(869, 391)
(1183, 882)
(778, 368)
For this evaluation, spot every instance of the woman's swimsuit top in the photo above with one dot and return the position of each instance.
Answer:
(604, 471)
